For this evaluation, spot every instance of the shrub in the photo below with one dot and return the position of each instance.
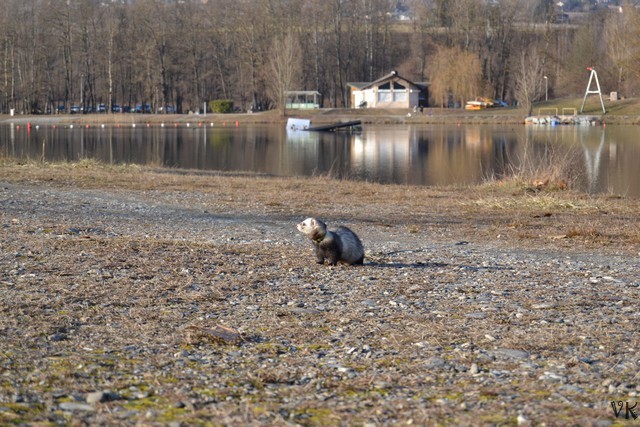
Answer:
(221, 106)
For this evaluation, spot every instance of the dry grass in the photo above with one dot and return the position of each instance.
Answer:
(555, 168)
(421, 207)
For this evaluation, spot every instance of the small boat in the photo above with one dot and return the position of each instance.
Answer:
(542, 120)
(478, 104)
(298, 124)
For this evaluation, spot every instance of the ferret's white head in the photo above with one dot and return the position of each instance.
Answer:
(313, 228)
(307, 226)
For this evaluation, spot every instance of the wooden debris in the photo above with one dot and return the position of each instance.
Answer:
(560, 236)
(219, 334)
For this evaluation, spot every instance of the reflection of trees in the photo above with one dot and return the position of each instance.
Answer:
(590, 157)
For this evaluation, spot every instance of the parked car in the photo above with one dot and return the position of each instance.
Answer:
(146, 108)
(76, 109)
(115, 108)
(102, 108)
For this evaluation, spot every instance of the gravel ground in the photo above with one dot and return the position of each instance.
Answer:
(152, 297)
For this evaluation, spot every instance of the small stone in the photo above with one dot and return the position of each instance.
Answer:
(58, 337)
(102, 396)
(474, 370)
(141, 395)
(96, 397)
(436, 363)
(369, 303)
(542, 306)
(75, 407)
(551, 376)
(512, 353)
(476, 315)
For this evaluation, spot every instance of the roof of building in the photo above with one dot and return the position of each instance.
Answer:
(392, 75)
(303, 92)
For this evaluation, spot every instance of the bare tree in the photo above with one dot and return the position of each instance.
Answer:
(621, 33)
(529, 78)
(284, 63)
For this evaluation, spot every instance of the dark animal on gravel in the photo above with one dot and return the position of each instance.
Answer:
(341, 245)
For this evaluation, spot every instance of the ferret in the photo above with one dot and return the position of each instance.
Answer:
(341, 245)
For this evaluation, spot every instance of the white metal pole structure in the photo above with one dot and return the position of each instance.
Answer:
(546, 88)
(588, 91)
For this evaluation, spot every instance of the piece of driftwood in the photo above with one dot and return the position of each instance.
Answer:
(217, 334)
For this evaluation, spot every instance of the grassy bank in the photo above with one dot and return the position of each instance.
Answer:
(625, 111)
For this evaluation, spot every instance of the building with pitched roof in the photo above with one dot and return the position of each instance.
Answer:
(390, 91)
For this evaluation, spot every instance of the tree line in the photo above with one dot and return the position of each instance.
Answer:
(166, 55)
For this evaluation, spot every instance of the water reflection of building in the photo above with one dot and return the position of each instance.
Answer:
(382, 153)
(435, 155)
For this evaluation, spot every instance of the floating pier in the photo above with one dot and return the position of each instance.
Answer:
(336, 126)
(305, 125)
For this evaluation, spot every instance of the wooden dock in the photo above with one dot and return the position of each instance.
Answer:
(335, 126)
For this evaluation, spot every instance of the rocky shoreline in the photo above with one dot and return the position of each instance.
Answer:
(136, 296)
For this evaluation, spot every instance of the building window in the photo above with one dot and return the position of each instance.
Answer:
(385, 96)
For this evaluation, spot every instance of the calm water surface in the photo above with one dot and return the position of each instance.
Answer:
(603, 159)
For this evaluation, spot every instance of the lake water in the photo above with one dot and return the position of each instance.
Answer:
(603, 159)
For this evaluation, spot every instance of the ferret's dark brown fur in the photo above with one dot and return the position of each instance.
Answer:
(341, 245)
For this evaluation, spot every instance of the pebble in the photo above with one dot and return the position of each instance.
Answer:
(74, 407)
(479, 315)
(102, 396)
(551, 376)
(511, 353)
